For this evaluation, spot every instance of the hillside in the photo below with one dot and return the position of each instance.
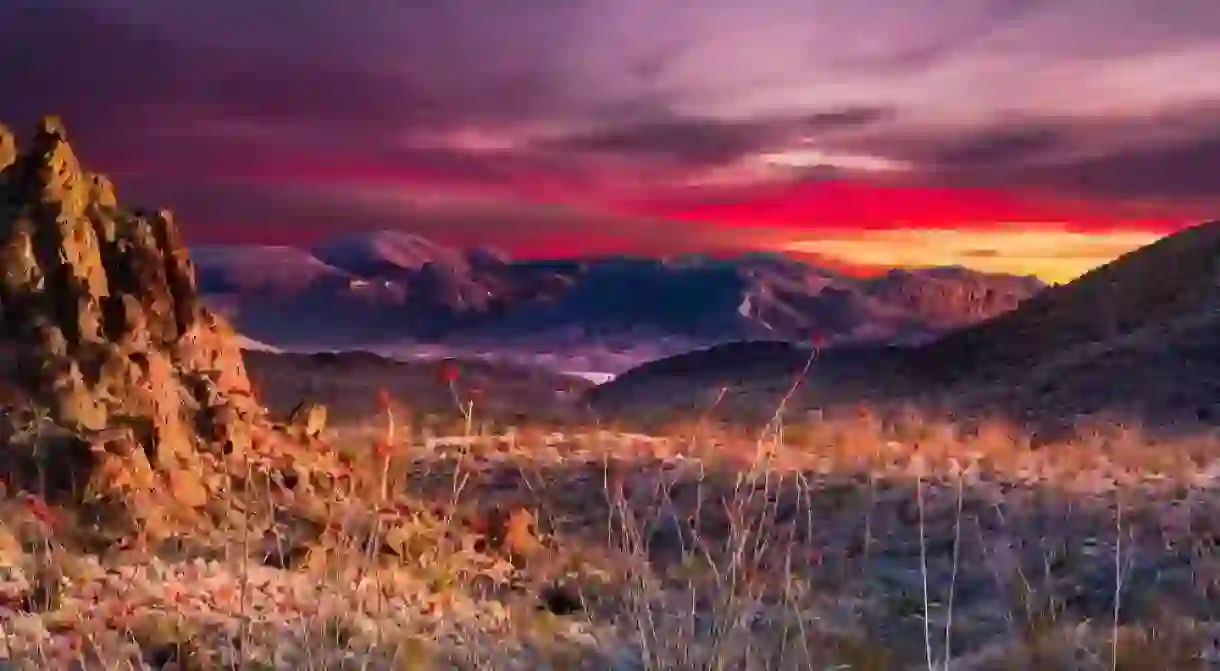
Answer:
(1177, 277)
(1162, 375)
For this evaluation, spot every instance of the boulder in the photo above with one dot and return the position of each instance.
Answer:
(308, 419)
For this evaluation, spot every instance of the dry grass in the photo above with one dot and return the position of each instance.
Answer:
(855, 541)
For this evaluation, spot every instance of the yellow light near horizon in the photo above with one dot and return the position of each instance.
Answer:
(1051, 255)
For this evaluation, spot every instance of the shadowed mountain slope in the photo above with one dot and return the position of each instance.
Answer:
(1177, 277)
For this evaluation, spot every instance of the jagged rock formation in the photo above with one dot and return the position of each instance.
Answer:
(105, 331)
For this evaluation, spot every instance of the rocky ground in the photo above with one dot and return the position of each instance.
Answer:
(849, 545)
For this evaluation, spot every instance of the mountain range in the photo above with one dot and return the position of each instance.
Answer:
(394, 292)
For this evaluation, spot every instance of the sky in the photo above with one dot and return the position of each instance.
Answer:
(1029, 136)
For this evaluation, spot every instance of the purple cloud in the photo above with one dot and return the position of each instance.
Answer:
(709, 141)
(593, 98)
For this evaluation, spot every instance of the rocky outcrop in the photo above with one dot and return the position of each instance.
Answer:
(104, 327)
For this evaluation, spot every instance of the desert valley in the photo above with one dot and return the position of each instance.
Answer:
(930, 469)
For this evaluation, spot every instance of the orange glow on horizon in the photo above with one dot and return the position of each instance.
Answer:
(1051, 255)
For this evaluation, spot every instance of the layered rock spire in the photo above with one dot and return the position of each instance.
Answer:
(101, 316)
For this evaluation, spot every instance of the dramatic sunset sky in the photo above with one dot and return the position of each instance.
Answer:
(1030, 136)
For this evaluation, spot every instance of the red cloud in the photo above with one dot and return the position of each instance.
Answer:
(839, 205)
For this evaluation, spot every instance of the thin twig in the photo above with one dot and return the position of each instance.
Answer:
(957, 541)
(1118, 576)
(923, 572)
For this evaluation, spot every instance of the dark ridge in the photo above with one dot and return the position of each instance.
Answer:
(1156, 284)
